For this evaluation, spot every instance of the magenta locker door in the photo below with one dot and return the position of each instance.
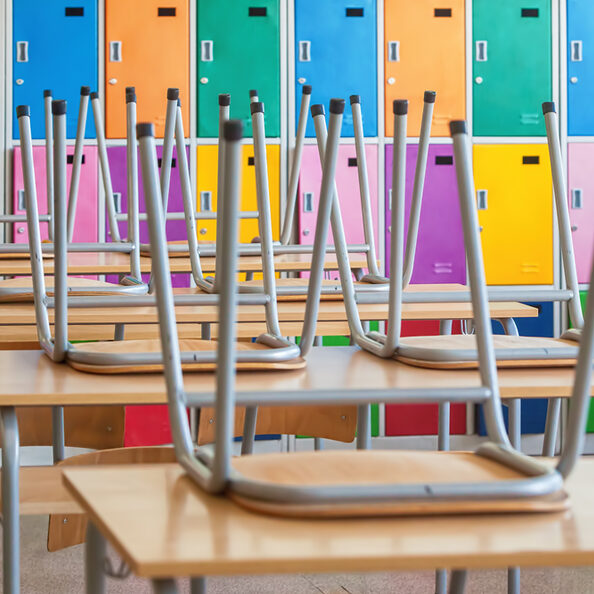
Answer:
(581, 205)
(439, 255)
(347, 182)
(85, 228)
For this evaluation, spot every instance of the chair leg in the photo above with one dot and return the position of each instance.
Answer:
(458, 581)
(165, 586)
(198, 585)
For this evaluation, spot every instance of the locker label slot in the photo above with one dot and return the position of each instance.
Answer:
(22, 53)
(21, 204)
(352, 162)
(481, 199)
(308, 201)
(393, 51)
(355, 12)
(481, 51)
(206, 50)
(576, 51)
(444, 160)
(305, 51)
(442, 12)
(160, 161)
(115, 51)
(74, 11)
(530, 160)
(257, 11)
(70, 159)
(117, 202)
(206, 201)
(530, 12)
(166, 11)
(576, 198)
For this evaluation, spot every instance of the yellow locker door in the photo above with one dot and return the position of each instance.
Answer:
(147, 46)
(425, 51)
(207, 190)
(515, 202)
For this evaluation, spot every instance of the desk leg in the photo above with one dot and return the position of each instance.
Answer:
(119, 332)
(513, 580)
(167, 586)
(10, 500)
(95, 549)
(364, 427)
(198, 585)
(318, 444)
(58, 433)
(249, 430)
(551, 427)
(458, 581)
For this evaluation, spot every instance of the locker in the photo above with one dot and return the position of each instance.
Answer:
(339, 58)
(85, 228)
(440, 255)
(347, 182)
(238, 49)
(147, 46)
(434, 60)
(54, 47)
(581, 205)
(580, 81)
(590, 424)
(514, 198)
(207, 191)
(512, 66)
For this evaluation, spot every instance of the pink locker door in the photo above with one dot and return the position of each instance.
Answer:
(85, 229)
(439, 256)
(347, 182)
(581, 205)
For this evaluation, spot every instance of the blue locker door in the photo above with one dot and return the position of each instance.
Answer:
(54, 47)
(336, 53)
(580, 61)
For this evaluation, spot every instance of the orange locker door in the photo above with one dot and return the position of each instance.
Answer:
(424, 50)
(147, 46)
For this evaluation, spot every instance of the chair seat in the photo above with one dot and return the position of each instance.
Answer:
(453, 343)
(367, 467)
(186, 345)
(146, 251)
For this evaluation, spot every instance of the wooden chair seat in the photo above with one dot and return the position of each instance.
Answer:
(468, 342)
(145, 248)
(188, 345)
(366, 467)
(303, 282)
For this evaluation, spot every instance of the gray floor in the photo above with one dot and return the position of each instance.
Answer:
(62, 573)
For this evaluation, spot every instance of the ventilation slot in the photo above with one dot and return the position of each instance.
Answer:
(354, 12)
(74, 11)
(442, 12)
(167, 11)
(530, 160)
(444, 160)
(257, 11)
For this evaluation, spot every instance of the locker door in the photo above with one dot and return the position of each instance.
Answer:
(512, 66)
(580, 53)
(207, 191)
(238, 50)
(338, 58)
(514, 196)
(440, 256)
(147, 46)
(581, 206)
(433, 60)
(54, 47)
(85, 228)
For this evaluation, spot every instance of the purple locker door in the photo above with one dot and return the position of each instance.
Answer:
(581, 205)
(176, 230)
(439, 256)
(347, 182)
(85, 229)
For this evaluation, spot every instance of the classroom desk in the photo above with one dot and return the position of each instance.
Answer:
(29, 378)
(180, 531)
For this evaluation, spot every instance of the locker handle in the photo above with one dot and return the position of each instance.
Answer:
(576, 51)
(117, 202)
(481, 199)
(305, 51)
(21, 205)
(352, 162)
(160, 162)
(576, 198)
(530, 12)
(70, 159)
(308, 201)
(167, 11)
(207, 50)
(250, 161)
(115, 51)
(206, 201)
(481, 51)
(74, 11)
(257, 11)
(22, 51)
(393, 51)
(355, 12)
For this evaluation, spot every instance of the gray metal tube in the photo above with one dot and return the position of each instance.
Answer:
(58, 433)
(364, 427)
(49, 160)
(198, 585)
(458, 581)
(224, 103)
(164, 586)
(168, 138)
(95, 552)
(77, 158)
(132, 184)
(513, 580)
(551, 427)
(249, 430)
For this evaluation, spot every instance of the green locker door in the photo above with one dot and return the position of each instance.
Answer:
(238, 49)
(512, 66)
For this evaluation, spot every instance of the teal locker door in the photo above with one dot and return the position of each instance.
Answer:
(512, 67)
(238, 49)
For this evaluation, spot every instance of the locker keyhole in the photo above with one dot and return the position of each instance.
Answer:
(305, 51)
(481, 51)
(393, 51)
(576, 51)
(21, 204)
(115, 51)
(22, 51)
(576, 198)
(117, 202)
(206, 50)
(308, 198)
(481, 199)
(206, 201)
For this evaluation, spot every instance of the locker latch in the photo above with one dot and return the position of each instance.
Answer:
(21, 204)
(393, 51)
(444, 160)
(257, 11)
(117, 202)
(305, 51)
(481, 51)
(530, 12)
(22, 53)
(206, 201)
(74, 11)
(206, 50)
(308, 201)
(442, 12)
(355, 12)
(166, 11)
(530, 160)
(115, 51)
(576, 51)
(576, 198)
(481, 199)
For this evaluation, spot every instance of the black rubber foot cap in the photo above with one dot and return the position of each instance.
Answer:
(145, 129)
(85, 91)
(355, 99)
(400, 106)
(130, 97)
(23, 110)
(58, 107)
(316, 110)
(172, 94)
(458, 127)
(253, 93)
(307, 89)
(233, 130)
(94, 95)
(257, 106)
(548, 107)
(130, 89)
(47, 93)
(224, 99)
(429, 97)
(336, 105)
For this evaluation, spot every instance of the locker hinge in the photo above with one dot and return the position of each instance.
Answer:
(576, 198)
(206, 201)
(305, 51)
(115, 51)
(393, 51)
(207, 50)
(481, 51)
(117, 202)
(576, 51)
(308, 198)
(22, 53)
(481, 199)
